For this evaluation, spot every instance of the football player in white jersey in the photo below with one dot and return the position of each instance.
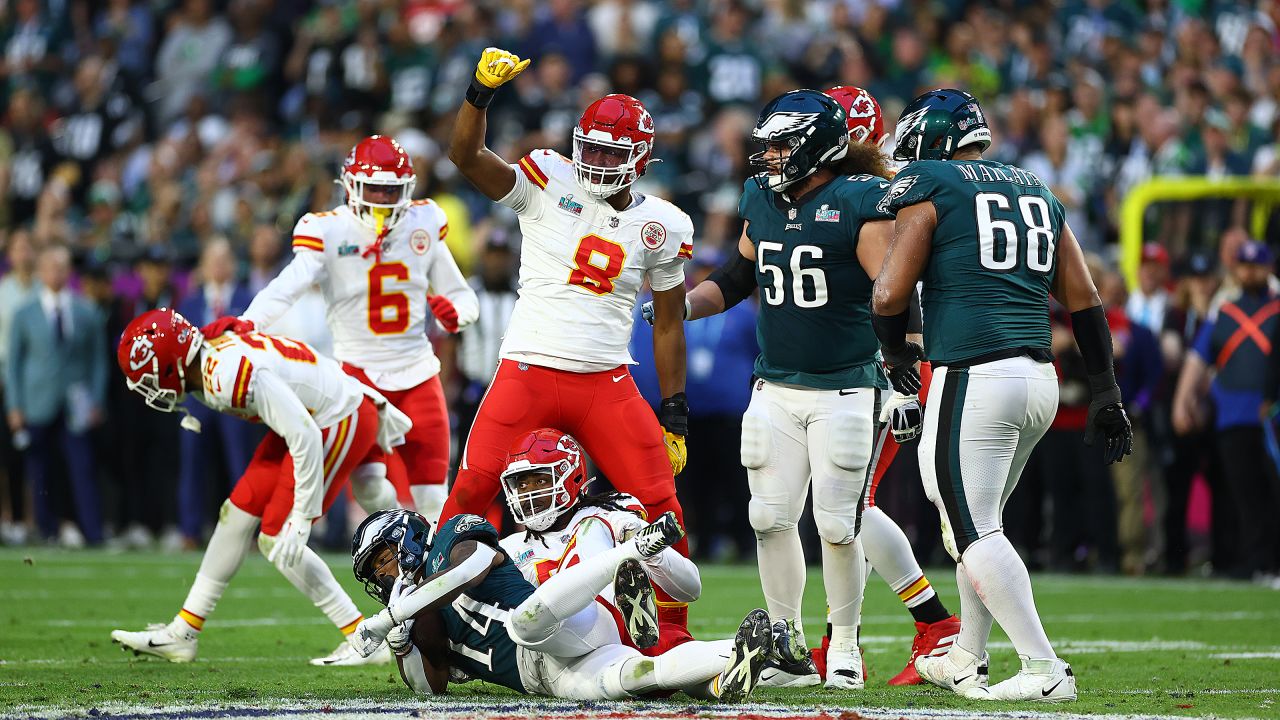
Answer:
(324, 424)
(543, 482)
(589, 242)
(377, 260)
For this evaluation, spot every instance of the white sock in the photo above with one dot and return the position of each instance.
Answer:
(314, 579)
(889, 552)
(845, 578)
(429, 500)
(1000, 579)
(690, 666)
(371, 488)
(230, 543)
(782, 572)
(975, 619)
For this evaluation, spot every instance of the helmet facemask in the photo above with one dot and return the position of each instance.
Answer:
(387, 545)
(598, 178)
(391, 197)
(537, 507)
(155, 393)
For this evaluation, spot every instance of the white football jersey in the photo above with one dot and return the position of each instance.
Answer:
(582, 263)
(539, 557)
(292, 389)
(376, 302)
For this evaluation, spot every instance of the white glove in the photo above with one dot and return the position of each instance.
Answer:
(371, 632)
(400, 639)
(291, 541)
(904, 416)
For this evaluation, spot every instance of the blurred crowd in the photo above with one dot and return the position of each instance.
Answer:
(158, 152)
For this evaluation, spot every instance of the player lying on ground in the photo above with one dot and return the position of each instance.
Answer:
(555, 640)
(590, 243)
(377, 260)
(991, 243)
(544, 484)
(325, 427)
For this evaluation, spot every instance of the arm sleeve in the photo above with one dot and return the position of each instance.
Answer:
(274, 401)
(446, 279)
(306, 269)
(675, 574)
(526, 196)
(476, 564)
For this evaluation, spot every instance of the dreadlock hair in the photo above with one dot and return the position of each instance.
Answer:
(863, 159)
(611, 501)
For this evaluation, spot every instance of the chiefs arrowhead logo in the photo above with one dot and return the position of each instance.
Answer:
(141, 353)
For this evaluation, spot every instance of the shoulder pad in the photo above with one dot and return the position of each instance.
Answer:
(227, 372)
(540, 166)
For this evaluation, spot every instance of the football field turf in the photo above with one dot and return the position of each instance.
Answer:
(1138, 647)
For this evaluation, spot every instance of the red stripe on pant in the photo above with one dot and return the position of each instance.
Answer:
(604, 411)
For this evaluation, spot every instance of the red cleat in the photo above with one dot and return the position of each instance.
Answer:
(931, 639)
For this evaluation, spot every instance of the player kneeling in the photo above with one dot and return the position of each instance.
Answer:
(555, 640)
(543, 483)
(326, 427)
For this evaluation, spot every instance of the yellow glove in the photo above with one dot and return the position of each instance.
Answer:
(676, 452)
(498, 67)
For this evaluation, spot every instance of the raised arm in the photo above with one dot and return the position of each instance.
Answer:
(489, 173)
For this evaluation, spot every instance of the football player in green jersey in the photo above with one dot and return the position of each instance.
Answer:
(991, 243)
(812, 241)
(553, 640)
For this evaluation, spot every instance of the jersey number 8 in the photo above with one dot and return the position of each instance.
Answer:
(1002, 255)
(587, 270)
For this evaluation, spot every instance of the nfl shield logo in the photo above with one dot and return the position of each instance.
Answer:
(613, 222)
(791, 214)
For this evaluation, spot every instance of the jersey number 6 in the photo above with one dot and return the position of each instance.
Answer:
(588, 271)
(382, 322)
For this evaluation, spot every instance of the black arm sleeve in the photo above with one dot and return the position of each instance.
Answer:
(891, 330)
(915, 321)
(736, 278)
(1094, 339)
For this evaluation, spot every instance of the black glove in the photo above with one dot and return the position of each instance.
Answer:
(901, 364)
(1107, 416)
(673, 414)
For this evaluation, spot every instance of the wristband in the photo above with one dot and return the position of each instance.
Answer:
(479, 94)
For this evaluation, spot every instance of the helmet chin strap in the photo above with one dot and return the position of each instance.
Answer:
(380, 216)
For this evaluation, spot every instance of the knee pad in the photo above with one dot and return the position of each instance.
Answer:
(768, 517)
(757, 443)
(850, 440)
(836, 528)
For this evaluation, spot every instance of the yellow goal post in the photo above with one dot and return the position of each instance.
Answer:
(1265, 192)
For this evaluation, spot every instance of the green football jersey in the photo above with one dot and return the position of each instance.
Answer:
(814, 326)
(476, 621)
(993, 260)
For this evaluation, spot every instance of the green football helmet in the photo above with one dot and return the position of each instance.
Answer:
(811, 128)
(937, 124)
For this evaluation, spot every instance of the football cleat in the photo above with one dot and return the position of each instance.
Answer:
(750, 650)
(1044, 680)
(845, 669)
(959, 671)
(658, 535)
(345, 655)
(931, 639)
(789, 664)
(634, 598)
(159, 640)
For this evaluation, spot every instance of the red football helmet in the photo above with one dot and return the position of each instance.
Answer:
(612, 144)
(866, 125)
(378, 163)
(154, 353)
(549, 452)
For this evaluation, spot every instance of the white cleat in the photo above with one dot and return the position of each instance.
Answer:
(1045, 680)
(959, 671)
(158, 640)
(345, 655)
(844, 669)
